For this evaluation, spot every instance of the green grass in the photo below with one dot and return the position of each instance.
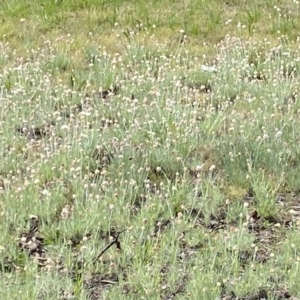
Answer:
(113, 133)
(204, 22)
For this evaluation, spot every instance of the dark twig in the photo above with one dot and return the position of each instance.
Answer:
(114, 241)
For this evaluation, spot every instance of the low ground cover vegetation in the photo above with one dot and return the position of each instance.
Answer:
(149, 169)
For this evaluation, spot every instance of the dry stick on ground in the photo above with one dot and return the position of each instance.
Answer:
(114, 241)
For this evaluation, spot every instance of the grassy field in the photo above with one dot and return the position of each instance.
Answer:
(149, 150)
